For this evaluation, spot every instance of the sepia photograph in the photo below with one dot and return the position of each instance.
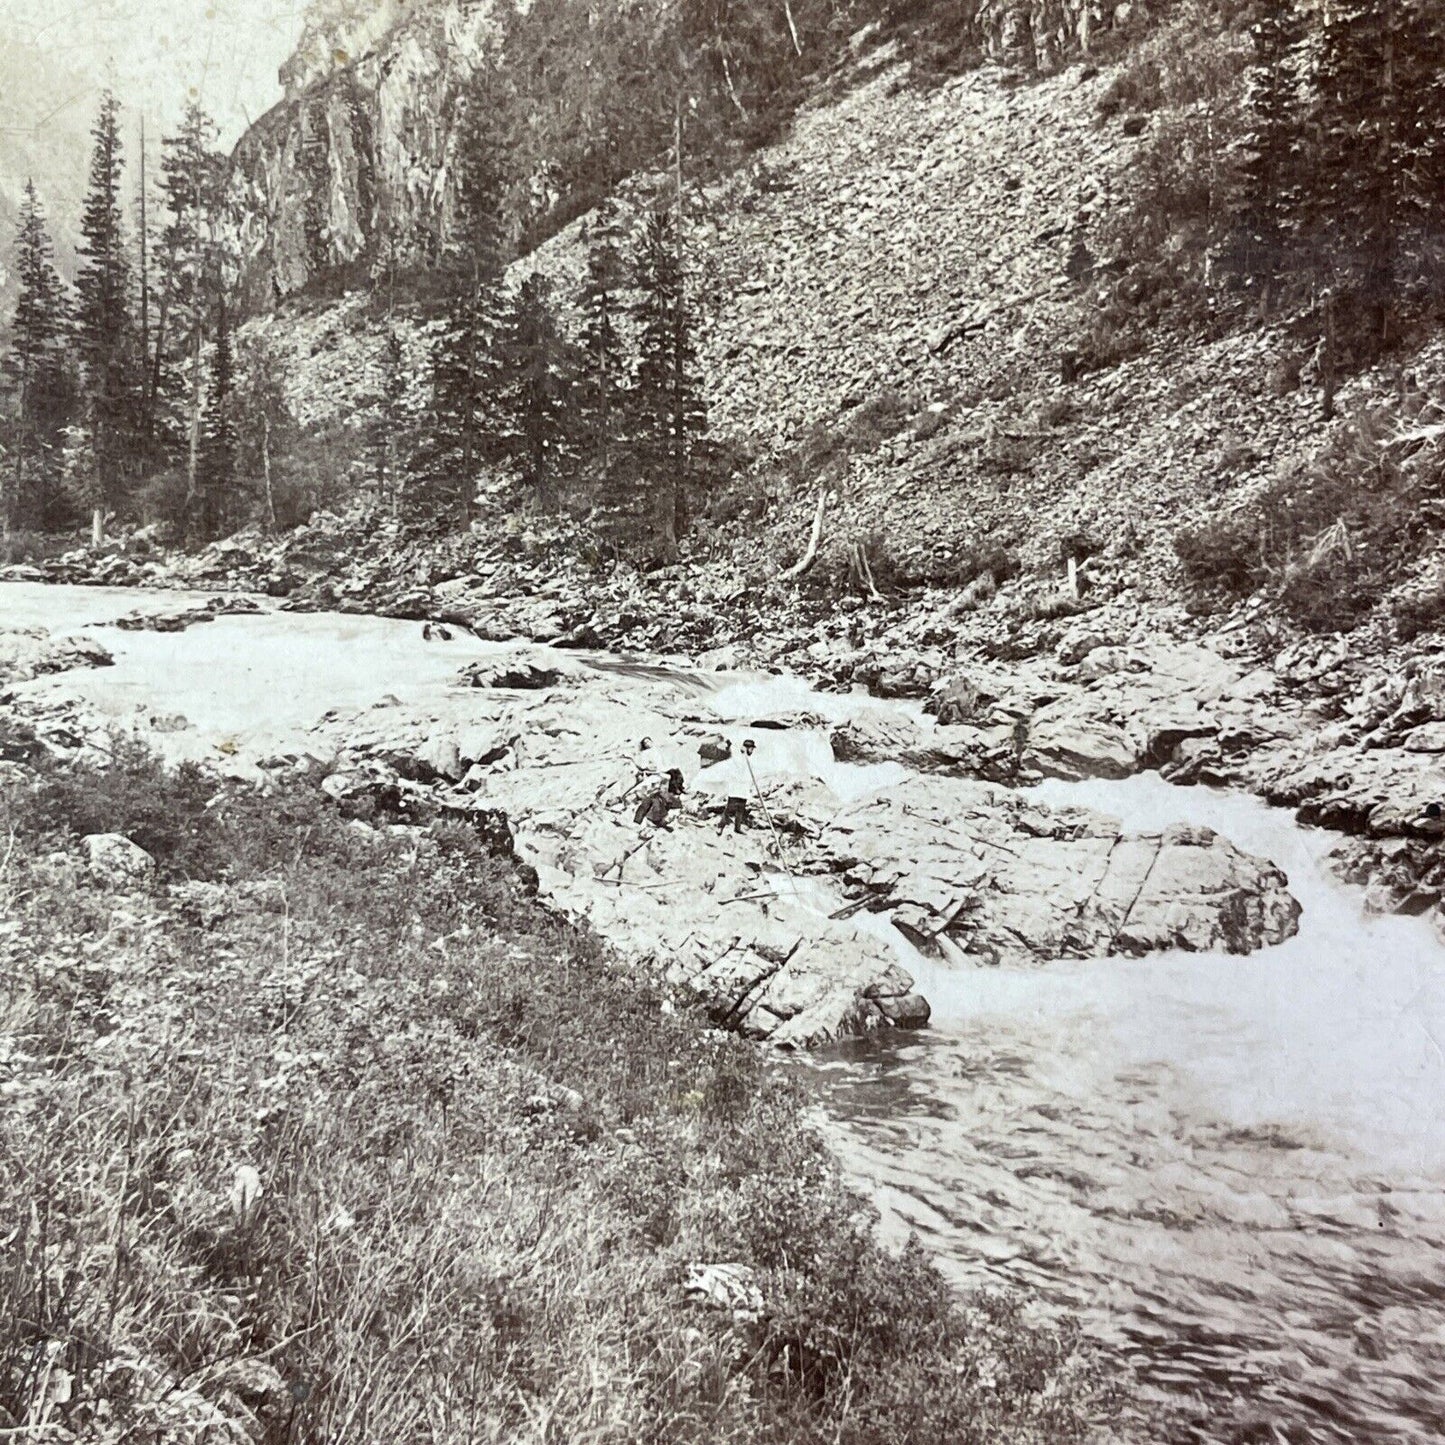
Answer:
(722, 722)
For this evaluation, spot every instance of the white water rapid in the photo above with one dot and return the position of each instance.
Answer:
(1232, 1168)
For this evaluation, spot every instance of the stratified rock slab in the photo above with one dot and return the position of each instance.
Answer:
(977, 868)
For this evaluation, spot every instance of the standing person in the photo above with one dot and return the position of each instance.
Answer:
(735, 779)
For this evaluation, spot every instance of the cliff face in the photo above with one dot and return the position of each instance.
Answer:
(351, 171)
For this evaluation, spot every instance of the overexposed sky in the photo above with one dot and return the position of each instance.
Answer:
(154, 53)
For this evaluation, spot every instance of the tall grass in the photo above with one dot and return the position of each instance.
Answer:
(344, 1139)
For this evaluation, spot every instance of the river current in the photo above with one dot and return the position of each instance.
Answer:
(1231, 1169)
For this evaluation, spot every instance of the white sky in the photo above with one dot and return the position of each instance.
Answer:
(155, 52)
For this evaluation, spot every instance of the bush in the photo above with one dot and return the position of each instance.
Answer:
(1419, 612)
(1332, 537)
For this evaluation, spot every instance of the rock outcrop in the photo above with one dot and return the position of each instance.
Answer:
(115, 861)
(985, 872)
(32, 652)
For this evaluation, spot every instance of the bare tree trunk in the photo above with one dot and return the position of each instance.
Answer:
(194, 431)
(792, 28)
(732, 89)
(97, 526)
(266, 472)
(806, 560)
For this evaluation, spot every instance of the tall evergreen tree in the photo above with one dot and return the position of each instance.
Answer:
(216, 506)
(1379, 125)
(192, 173)
(602, 355)
(671, 415)
(1272, 145)
(266, 431)
(104, 327)
(538, 375)
(388, 426)
(467, 428)
(38, 369)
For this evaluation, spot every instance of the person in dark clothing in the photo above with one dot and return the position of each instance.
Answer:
(655, 809)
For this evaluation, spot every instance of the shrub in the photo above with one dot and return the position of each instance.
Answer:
(1330, 538)
(1419, 612)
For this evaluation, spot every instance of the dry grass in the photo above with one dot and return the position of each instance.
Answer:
(352, 1142)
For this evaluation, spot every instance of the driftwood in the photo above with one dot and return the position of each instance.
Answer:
(806, 560)
(955, 330)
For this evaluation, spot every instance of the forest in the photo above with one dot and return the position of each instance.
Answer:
(1295, 168)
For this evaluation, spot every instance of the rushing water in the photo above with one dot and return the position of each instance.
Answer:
(1232, 1168)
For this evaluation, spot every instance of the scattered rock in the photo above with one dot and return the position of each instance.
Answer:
(115, 862)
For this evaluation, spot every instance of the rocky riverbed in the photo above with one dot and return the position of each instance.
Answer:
(766, 924)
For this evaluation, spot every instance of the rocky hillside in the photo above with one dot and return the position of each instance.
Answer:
(913, 309)
(353, 170)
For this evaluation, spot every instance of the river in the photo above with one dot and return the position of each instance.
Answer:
(1232, 1169)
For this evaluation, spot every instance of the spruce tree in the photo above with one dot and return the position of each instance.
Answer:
(467, 428)
(602, 358)
(388, 425)
(671, 415)
(1379, 120)
(192, 171)
(38, 370)
(1271, 147)
(538, 374)
(215, 508)
(104, 329)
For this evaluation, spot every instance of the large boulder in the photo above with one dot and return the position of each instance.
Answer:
(985, 872)
(31, 652)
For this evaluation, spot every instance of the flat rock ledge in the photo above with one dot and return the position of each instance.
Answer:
(971, 871)
(786, 950)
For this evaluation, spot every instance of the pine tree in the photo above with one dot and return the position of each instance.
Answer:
(215, 506)
(266, 430)
(192, 171)
(38, 369)
(104, 330)
(467, 428)
(1379, 122)
(538, 372)
(387, 428)
(671, 416)
(602, 357)
(1271, 147)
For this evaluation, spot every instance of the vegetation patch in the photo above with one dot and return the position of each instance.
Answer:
(356, 1142)
(1331, 538)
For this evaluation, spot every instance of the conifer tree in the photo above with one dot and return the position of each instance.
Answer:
(466, 425)
(215, 506)
(1379, 123)
(192, 171)
(104, 329)
(38, 370)
(388, 426)
(602, 357)
(266, 430)
(671, 416)
(1271, 147)
(538, 375)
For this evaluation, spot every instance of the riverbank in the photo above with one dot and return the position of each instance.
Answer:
(331, 1130)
